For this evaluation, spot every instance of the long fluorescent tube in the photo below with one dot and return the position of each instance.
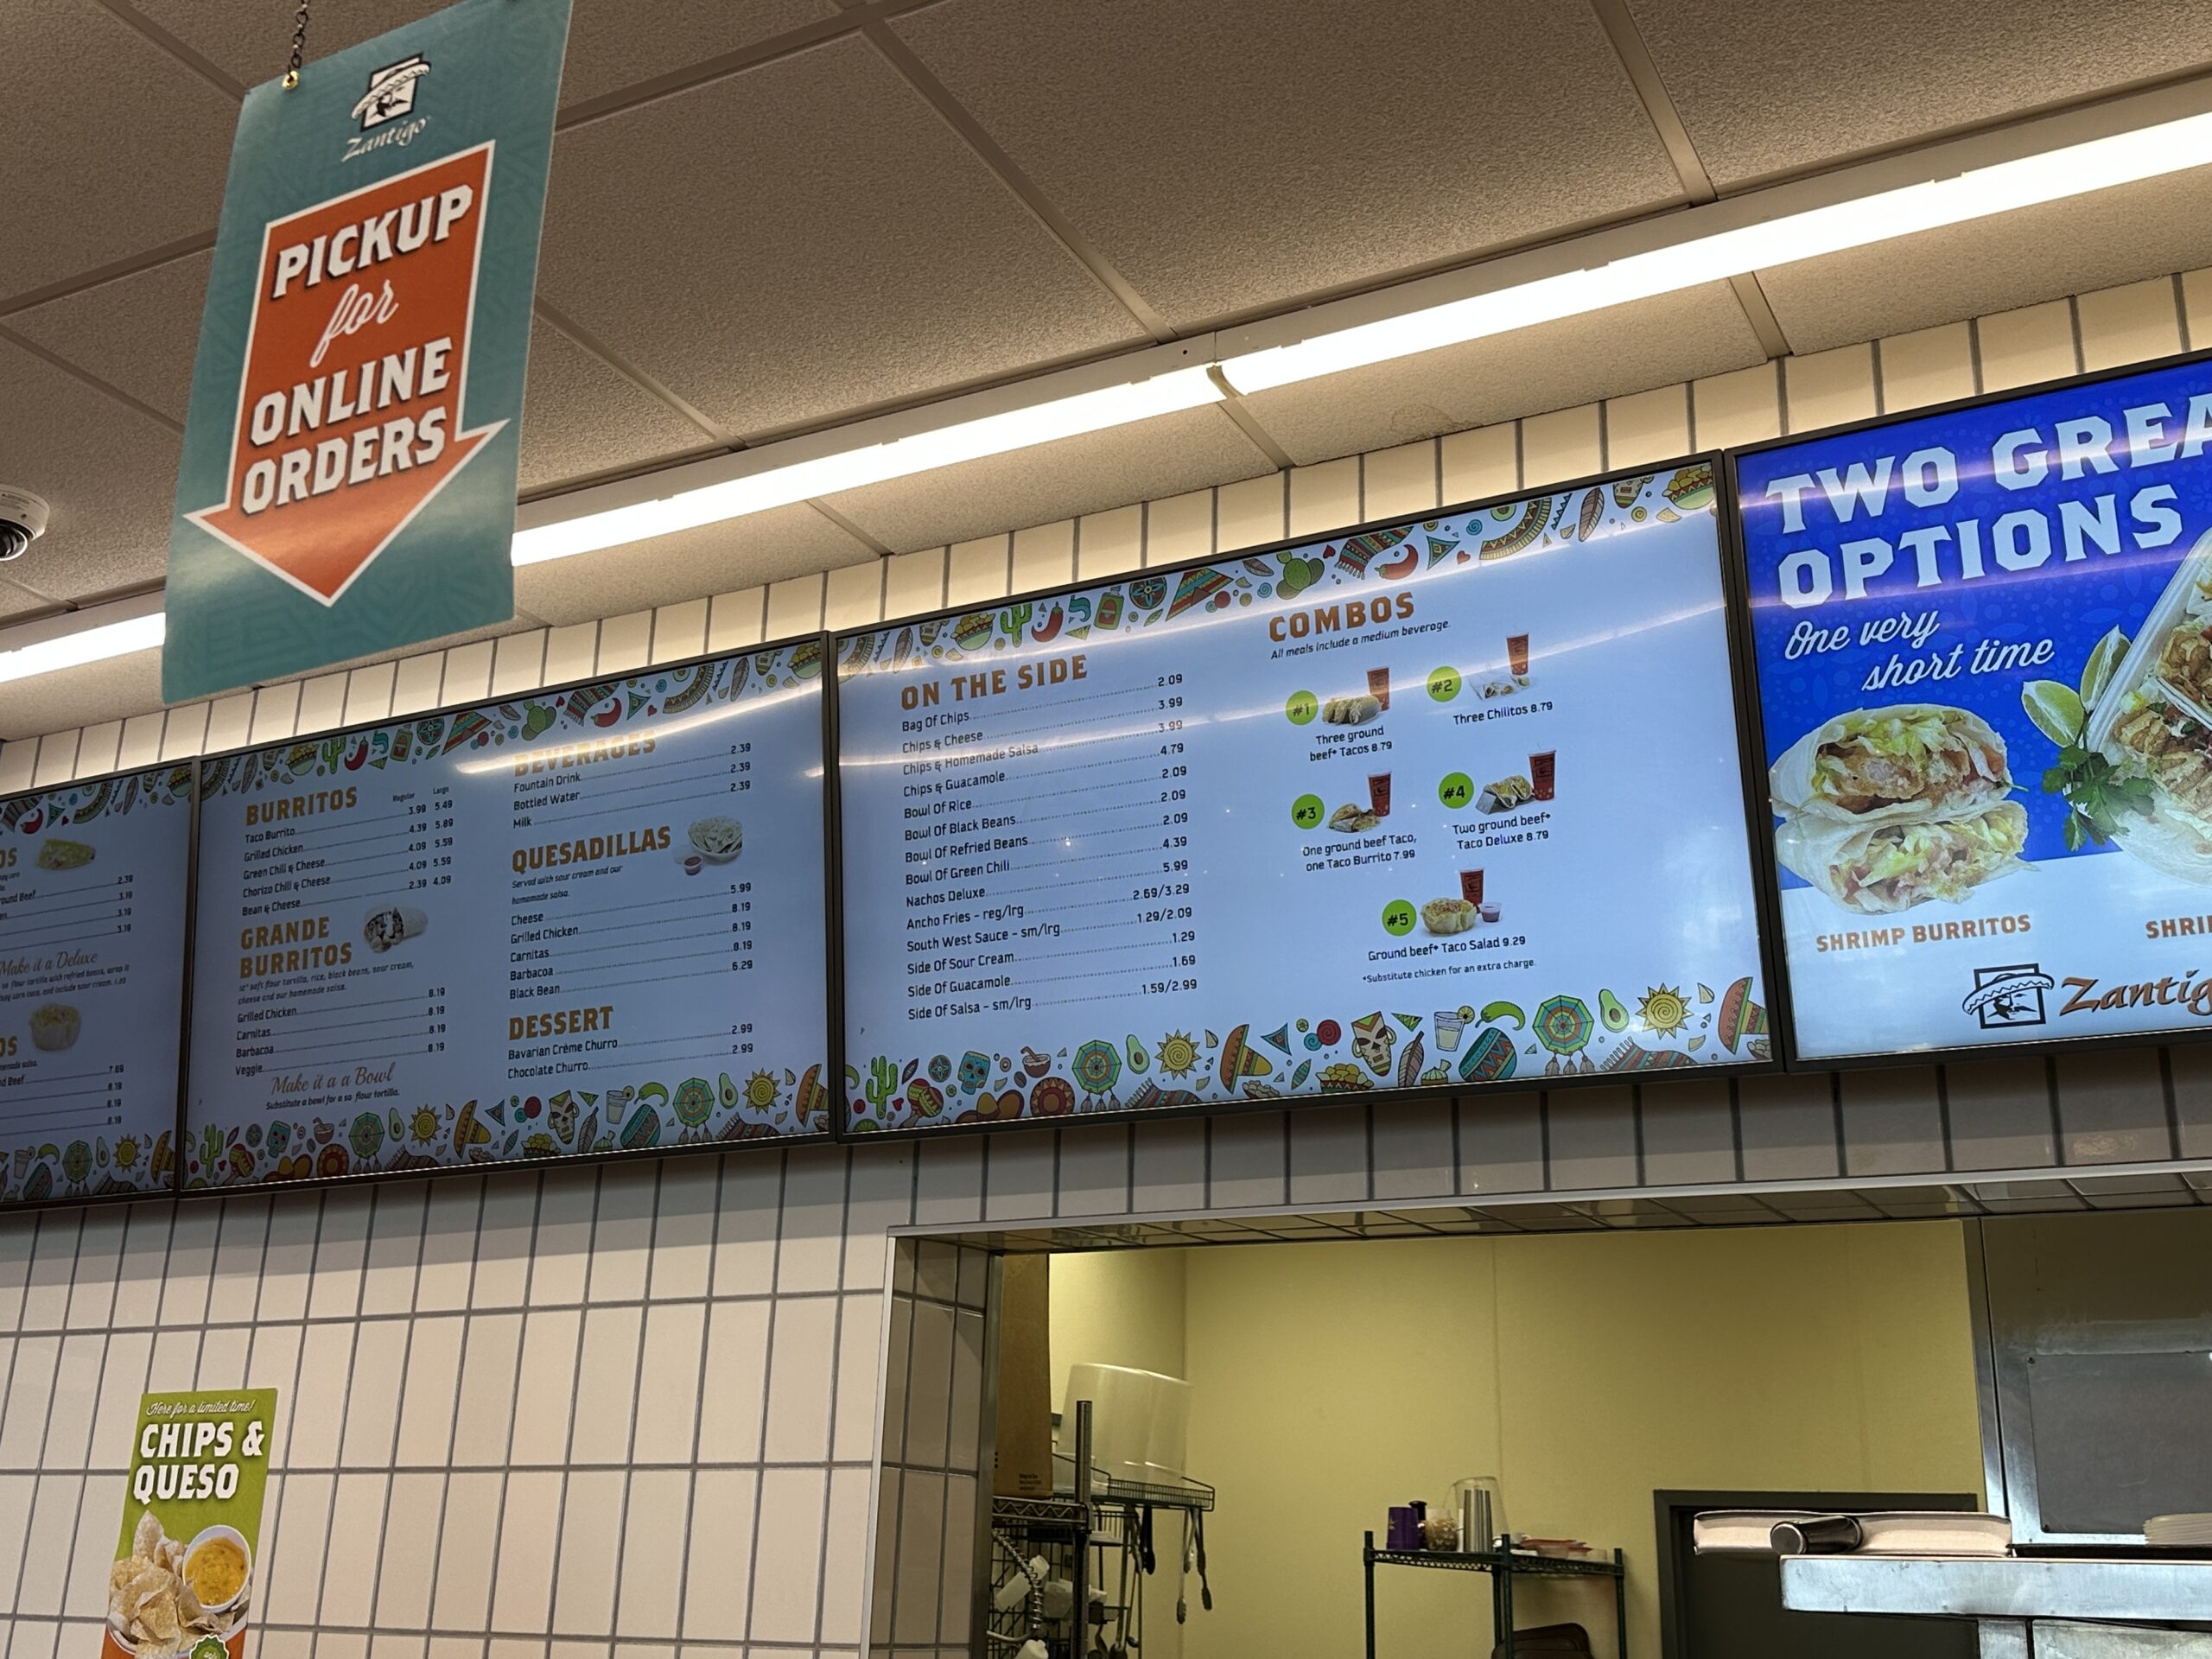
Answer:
(845, 469)
(1750, 232)
(1977, 193)
(95, 643)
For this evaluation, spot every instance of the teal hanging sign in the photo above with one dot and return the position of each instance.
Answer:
(347, 484)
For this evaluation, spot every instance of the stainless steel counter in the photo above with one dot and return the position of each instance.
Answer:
(2141, 1589)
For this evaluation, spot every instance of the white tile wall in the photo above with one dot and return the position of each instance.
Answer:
(593, 1414)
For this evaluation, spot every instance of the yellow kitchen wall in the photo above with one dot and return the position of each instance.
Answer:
(1334, 1380)
(1117, 1307)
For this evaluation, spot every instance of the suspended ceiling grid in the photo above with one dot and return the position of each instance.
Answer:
(771, 216)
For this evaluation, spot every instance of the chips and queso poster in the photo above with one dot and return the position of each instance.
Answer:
(187, 1561)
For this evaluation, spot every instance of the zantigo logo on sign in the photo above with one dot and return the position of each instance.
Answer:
(349, 412)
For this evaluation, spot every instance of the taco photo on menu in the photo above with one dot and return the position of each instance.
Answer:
(1905, 763)
(1882, 868)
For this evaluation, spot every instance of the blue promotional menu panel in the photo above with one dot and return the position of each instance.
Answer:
(587, 921)
(1984, 648)
(93, 878)
(1445, 804)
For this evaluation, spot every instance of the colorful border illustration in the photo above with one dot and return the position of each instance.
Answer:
(1301, 1053)
(773, 1100)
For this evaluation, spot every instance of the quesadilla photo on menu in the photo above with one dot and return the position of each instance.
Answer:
(1889, 866)
(1907, 762)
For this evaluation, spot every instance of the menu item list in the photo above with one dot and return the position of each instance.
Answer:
(580, 922)
(92, 901)
(1443, 804)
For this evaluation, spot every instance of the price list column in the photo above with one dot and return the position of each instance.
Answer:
(1046, 839)
(91, 949)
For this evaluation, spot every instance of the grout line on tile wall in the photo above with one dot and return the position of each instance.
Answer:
(767, 1374)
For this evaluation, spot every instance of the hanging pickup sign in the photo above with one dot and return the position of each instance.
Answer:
(348, 478)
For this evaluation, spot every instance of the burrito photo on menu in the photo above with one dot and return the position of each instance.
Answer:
(1881, 867)
(1910, 761)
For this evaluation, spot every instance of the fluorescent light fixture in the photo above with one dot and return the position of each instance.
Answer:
(68, 642)
(774, 485)
(1976, 192)
(2122, 141)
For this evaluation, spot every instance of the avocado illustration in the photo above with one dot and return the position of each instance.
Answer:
(1611, 1011)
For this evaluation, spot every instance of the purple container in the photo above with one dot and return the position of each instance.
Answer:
(1405, 1528)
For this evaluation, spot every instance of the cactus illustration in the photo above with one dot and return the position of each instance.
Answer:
(882, 1085)
(1014, 619)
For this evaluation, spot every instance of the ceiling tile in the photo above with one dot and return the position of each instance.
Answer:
(1995, 264)
(20, 605)
(1608, 353)
(855, 250)
(109, 474)
(1161, 457)
(138, 332)
(581, 419)
(1229, 156)
(108, 145)
(747, 552)
(1760, 95)
(114, 689)
(611, 44)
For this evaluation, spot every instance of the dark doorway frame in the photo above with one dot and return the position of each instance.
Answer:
(1671, 1511)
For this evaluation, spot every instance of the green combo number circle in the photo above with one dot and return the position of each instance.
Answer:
(1444, 683)
(1301, 708)
(1457, 789)
(1306, 811)
(1398, 918)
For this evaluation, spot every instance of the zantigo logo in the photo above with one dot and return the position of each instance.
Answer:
(391, 91)
(349, 408)
(390, 99)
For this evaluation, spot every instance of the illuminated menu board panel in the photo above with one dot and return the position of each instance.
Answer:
(92, 903)
(578, 922)
(1983, 640)
(1450, 804)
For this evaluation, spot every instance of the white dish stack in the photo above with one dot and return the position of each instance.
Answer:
(1140, 1421)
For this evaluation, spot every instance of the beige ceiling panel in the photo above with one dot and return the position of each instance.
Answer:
(806, 238)
(747, 552)
(108, 145)
(114, 689)
(1779, 88)
(581, 419)
(138, 332)
(1230, 156)
(1608, 353)
(1996, 265)
(611, 44)
(109, 474)
(1161, 457)
(20, 605)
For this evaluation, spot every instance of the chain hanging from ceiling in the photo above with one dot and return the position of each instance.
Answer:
(299, 46)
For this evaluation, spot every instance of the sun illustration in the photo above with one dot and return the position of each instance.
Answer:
(1179, 1055)
(760, 1090)
(1662, 1011)
(423, 1125)
(126, 1152)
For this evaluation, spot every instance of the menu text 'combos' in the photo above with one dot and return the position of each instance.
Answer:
(93, 894)
(577, 922)
(1436, 805)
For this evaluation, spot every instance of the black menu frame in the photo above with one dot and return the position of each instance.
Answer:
(1736, 631)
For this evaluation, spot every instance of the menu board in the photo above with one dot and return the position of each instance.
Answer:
(1983, 649)
(581, 921)
(93, 896)
(1447, 804)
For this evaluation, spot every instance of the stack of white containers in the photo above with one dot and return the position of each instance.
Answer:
(1140, 1421)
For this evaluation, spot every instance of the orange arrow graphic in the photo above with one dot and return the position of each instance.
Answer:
(356, 364)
